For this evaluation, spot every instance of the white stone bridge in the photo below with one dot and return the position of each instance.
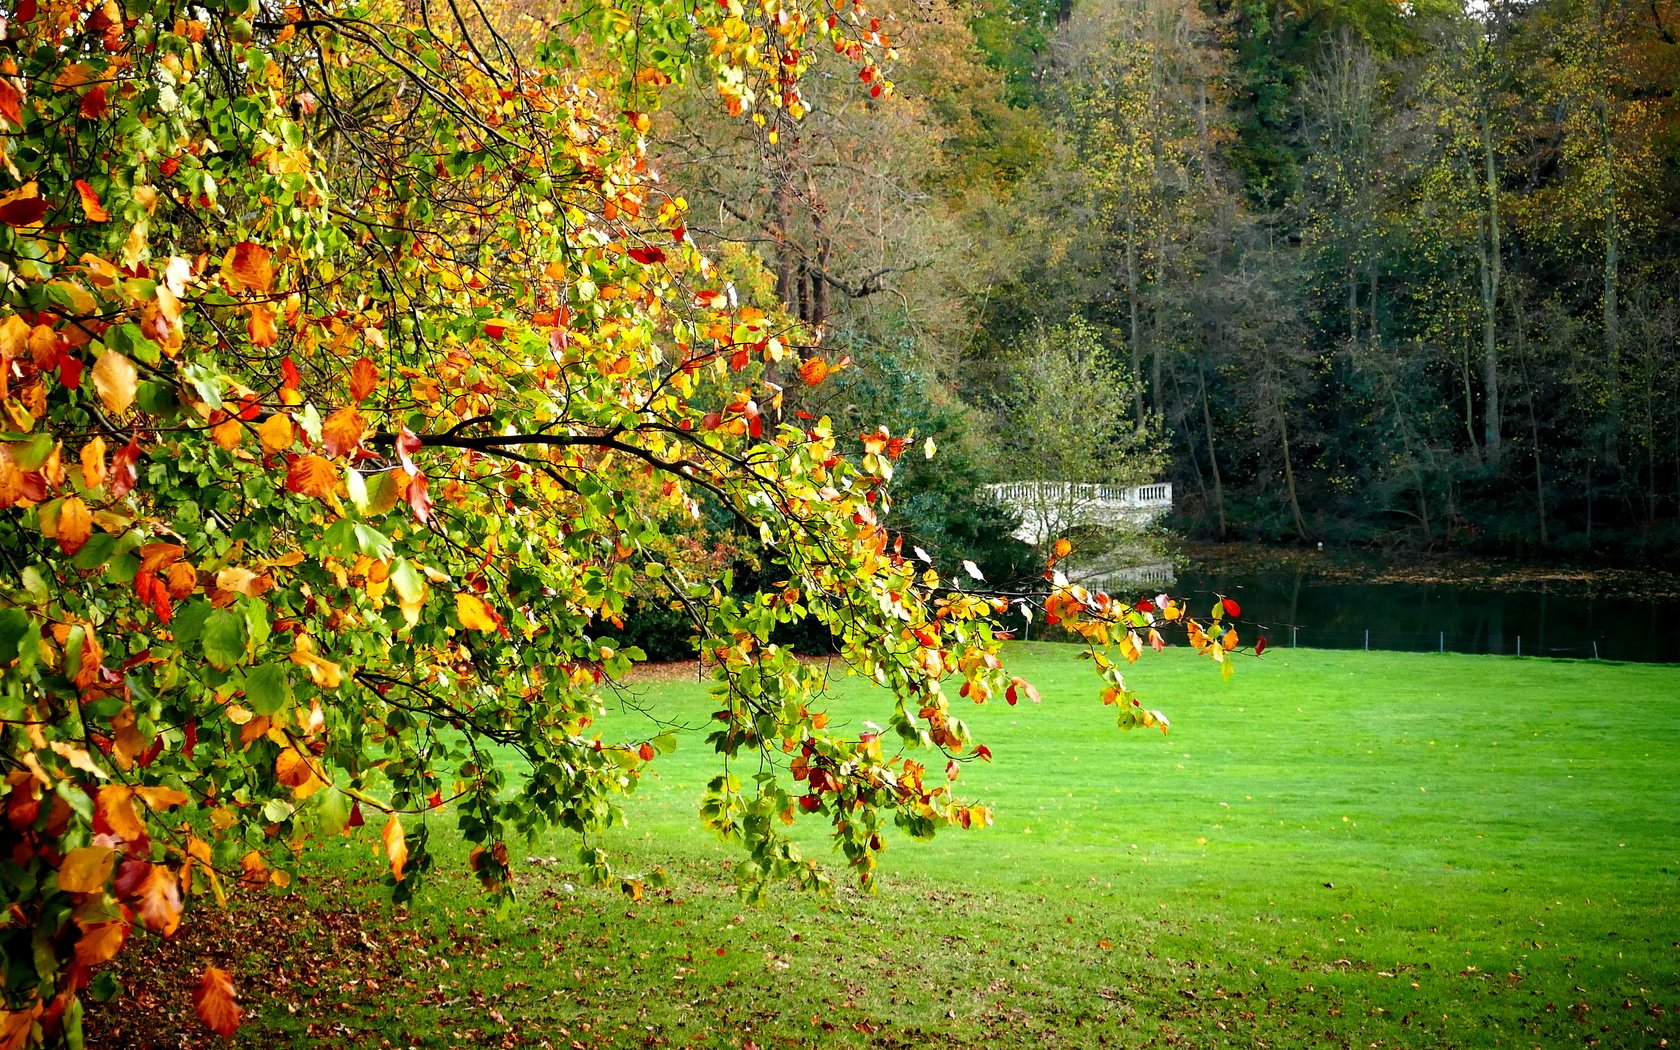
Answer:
(1050, 508)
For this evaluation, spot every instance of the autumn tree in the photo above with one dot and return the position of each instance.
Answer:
(356, 368)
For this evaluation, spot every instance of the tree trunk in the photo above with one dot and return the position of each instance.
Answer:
(1289, 475)
(1491, 274)
(1132, 308)
(1213, 456)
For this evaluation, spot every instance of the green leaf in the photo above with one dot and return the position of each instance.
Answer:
(224, 639)
(268, 688)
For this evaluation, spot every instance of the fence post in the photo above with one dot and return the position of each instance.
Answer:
(1519, 645)
(1292, 631)
(1367, 639)
(1443, 641)
(1595, 648)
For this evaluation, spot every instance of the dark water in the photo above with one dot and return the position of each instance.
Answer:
(1548, 620)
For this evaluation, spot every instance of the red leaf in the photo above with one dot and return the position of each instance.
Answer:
(213, 1001)
(190, 733)
(94, 105)
(70, 371)
(355, 819)
(342, 433)
(124, 473)
(1232, 608)
(23, 211)
(1260, 646)
(648, 255)
(646, 752)
(408, 443)
(418, 500)
(289, 378)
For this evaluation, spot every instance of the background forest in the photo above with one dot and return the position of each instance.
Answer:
(1373, 272)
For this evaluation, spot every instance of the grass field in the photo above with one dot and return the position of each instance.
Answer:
(1332, 849)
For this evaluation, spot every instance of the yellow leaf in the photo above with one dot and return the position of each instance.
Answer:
(86, 869)
(93, 463)
(159, 797)
(276, 433)
(115, 378)
(473, 613)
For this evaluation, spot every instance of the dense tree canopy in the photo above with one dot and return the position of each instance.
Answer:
(359, 377)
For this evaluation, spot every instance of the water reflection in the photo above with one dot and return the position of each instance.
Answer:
(1298, 607)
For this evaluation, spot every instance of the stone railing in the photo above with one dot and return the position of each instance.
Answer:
(1054, 506)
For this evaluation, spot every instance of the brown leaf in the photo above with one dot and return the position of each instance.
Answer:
(251, 265)
(15, 1026)
(342, 433)
(364, 377)
(115, 378)
(396, 846)
(311, 476)
(213, 1000)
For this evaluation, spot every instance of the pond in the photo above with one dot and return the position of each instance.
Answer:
(1533, 618)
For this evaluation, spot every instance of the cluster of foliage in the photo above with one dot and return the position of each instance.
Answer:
(358, 375)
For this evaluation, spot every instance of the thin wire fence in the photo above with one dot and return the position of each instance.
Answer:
(1481, 643)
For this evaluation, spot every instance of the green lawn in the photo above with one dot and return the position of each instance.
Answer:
(1331, 849)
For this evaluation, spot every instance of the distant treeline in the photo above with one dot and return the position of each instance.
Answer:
(1386, 273)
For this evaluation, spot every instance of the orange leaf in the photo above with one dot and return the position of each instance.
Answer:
(474, 613)
(261, 325)
(276, 433)
(116, 379)
(311, 476)
(364, 377)
(214, 1002)
(396, 846)
(116, 805)
(100, 942)
(16, 1026)
(251, 265)
(159, 797)
(292, 769)
(75, 525)
(813, 370)
(160, 901)
(11, 103)
(86, 869)
(91, 207)
(342, 433)
(227, 433)
(93, 463)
